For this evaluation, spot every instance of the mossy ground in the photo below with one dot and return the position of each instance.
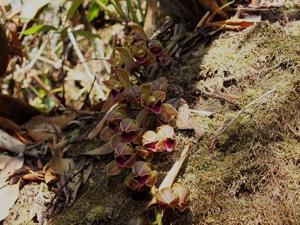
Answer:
(251, 175)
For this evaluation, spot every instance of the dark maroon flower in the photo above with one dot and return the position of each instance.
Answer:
(142, 177)
(124, 155)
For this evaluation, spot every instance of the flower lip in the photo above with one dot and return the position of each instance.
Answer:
(157, 51)
(156, 108)
(122, 160)
(114, 125)
(115, 92)
(169, 144)
(141, 60)
(128, 136)
(142, 179)
(152, 146)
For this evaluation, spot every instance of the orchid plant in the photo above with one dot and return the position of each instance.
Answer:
(143, 122)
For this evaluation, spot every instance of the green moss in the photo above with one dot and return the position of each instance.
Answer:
(251, 177)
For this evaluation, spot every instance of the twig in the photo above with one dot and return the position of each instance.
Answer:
(100, 50)
(219, 96)
(34, 59)
(201, 112)
(85, 66)
(242, 111)
(49, 92)
(203, 20)
(56, 65)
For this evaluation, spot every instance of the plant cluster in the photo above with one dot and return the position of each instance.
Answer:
(139, 122)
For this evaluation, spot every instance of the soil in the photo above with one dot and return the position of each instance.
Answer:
(247, 174)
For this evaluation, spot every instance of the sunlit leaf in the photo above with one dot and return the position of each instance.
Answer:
(38, 28)
(86, 34)
(73, 8)
(93, 11)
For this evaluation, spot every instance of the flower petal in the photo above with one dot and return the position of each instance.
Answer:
(140, 169)
(167, 197)
(168, 113)
(113, 169)
(106, 134)
(143, 152)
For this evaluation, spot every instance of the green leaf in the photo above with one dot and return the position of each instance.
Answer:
(38, 28)
(86, 34)
(93, 11)
(75, 5)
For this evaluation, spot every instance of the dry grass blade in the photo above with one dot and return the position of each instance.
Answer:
(97, 130)
(102, 150)
(150, 21)
(84, 64)
(173, 172)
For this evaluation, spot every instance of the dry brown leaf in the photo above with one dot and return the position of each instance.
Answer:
(8, 195)
(62, 121)
(184, 122)
(9, 125)
(99, 127)
(102, 150)
(10, 143)
(87, 172)
(74, 188)
(58, 164)
(40, 128)
(50, 177)
(40, 135)
(183, 118)
(97, 130)
(3, 160)
(10, 167)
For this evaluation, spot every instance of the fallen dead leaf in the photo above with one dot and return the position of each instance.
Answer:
(184, 122)
(87, 172)
(102, 150)
(9, 125)
(10, 167)
(50, 177)
(10, 143)
(42, 128)
(58, 164)
(3, 160)
(8, 196)
(183, 118)
(62, 121)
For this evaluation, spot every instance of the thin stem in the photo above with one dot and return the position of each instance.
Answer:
(139, 5)
(131, 11)
(121, 12)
